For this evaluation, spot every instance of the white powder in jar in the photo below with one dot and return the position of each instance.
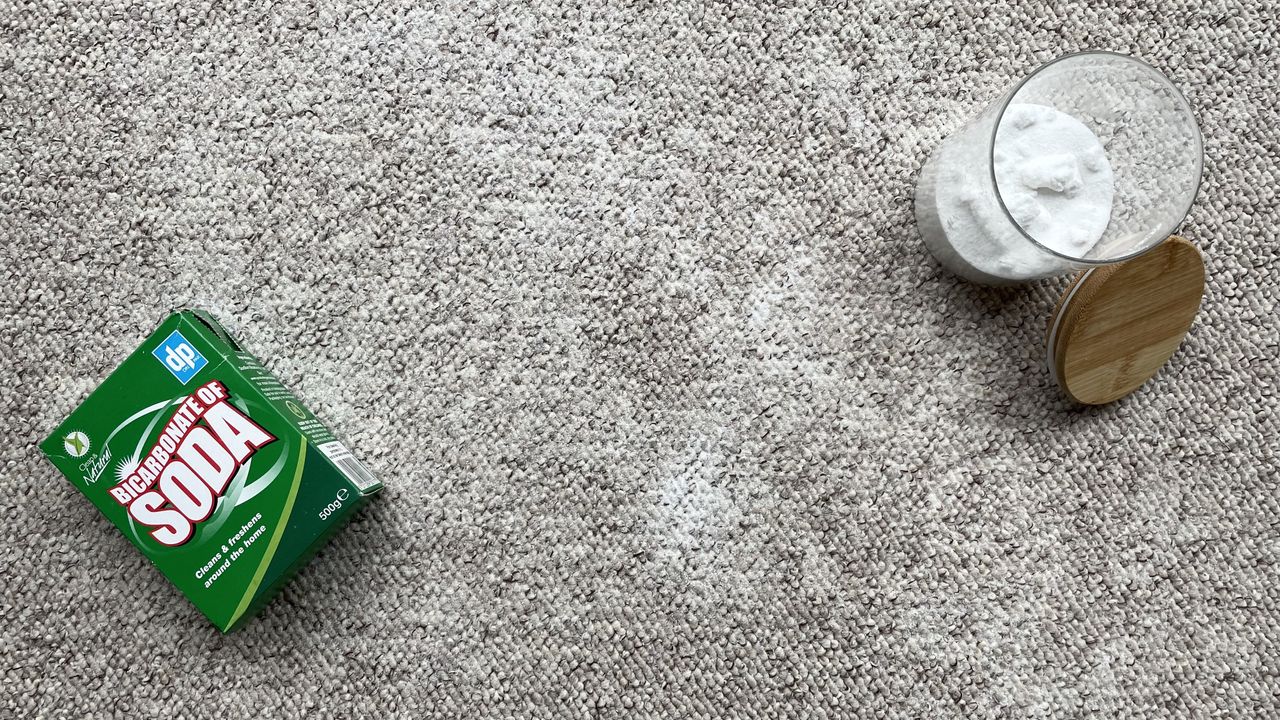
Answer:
(1056, 183)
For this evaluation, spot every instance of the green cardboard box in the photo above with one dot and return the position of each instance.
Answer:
(210, 466)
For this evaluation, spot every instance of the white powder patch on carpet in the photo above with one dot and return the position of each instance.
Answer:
(695, 511)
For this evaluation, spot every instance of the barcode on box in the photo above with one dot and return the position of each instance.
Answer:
(348, 465)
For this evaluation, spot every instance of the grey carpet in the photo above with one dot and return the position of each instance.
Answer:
(627, 307)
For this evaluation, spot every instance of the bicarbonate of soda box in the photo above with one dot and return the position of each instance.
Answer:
(210, 466)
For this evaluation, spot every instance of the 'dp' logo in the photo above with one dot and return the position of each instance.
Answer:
(180, 357)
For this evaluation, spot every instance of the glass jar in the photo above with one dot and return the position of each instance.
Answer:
(1093, 159)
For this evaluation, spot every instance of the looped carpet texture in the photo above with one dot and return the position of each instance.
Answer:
(626, 305)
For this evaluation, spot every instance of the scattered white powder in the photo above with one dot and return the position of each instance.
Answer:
(1055, 180)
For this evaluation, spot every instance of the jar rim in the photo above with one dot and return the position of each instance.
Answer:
(1183, 105)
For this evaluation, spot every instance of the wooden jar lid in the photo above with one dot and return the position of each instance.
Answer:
(1117, 325)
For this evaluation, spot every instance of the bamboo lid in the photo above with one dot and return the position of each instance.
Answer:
(1117, 325)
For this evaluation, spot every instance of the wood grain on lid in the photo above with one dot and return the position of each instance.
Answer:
(1119, 324)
